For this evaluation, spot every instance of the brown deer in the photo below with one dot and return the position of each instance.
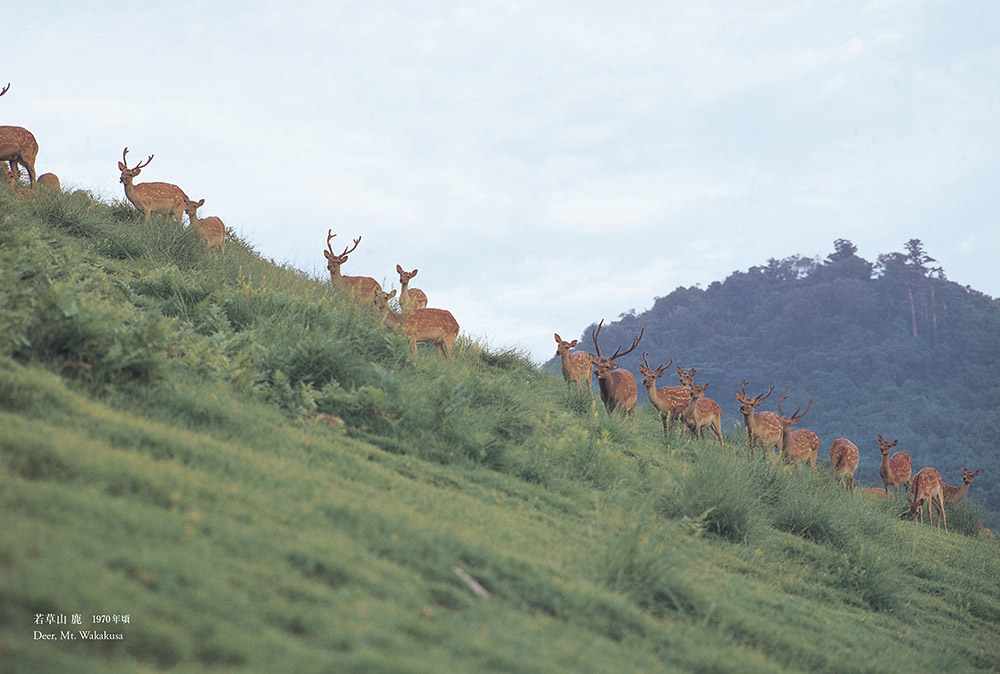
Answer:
(576, 366)
(150, 198)
(801, 445)
(18, 146)
(927, 486)
(49, 181)
(956, 494)
(764, 428)
(894, 470)
(844, 456)
(211, 229)
(421, 326)
(670, 401)
(618, 389)
(875, 492)
(363, 288)
(410, 298)
(702, 412)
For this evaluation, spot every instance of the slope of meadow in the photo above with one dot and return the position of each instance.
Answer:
(262, 478)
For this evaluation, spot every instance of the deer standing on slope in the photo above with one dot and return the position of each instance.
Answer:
(763, 428)
(149, 198)
(702, 412)
(670, 401)
(211, 229)
(410, 298)
(894, 470)
(364, 288)
(18, 147)
(956, 494)
(618, 389)
(576, 365)
(927, 486)
(801, 445)
(423, 326)
(844, 456)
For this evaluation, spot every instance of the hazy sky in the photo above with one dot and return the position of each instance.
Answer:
(543, 164)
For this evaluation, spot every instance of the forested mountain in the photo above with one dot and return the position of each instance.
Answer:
(889, 347)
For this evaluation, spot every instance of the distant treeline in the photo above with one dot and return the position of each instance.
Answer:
(890, 347)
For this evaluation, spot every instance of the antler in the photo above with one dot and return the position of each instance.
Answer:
(329, 244)
(762, 398)
(795, 415)
(635, 343)
(661, 368)
(594, 334)
(141, 165)
(5, 89)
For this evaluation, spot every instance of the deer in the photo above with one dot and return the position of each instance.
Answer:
(875, 492)
(420, 326)
(670, 401)
(362, 287)
(956, 494)
(894, 470)
(844, 456)
(164, 198)
(801, 445)
(18, 147)
(409, 298)
(617, 387)
(576, 366)
(764, 428)
(702, 412)
(927, 486)
(49, 181)
(211, 229)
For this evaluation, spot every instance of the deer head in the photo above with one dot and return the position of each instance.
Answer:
(651, 374)
(129, 173)
(885, 446)
(748, 403)
(333, 261)
(603, 366)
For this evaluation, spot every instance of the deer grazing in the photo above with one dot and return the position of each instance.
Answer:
(18, 147)
(927, 486)
(670, 401)
(618, 389)
(211, 229)
(844, 457)
(49, 181)
(956, 494)
(149, 198)
(764, 428)
(420, 326)
(801, 445)
(702, 412)
(894, 470)
(409, 298)
(364, 288)
(576, 366)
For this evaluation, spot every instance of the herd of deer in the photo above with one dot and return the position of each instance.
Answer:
(19, 148)
(765, 430)
(421, 324)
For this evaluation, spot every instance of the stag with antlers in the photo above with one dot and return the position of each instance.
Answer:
(801, 445)
(576, 366)
(164, 198)
(18, 147)
(894, 470)
(364, 288)
(670, 401)
(764, 428)
(618, 389)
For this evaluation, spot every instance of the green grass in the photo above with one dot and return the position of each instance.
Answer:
(264, 479)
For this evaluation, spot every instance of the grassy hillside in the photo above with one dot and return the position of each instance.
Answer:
(262, 478)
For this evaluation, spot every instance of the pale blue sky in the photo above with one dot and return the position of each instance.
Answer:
(544, 164)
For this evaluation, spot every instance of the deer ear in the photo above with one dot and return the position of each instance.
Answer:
(879, 436)
(558, 338)
(326, 254)
(121, 166)
(895, 442)
(399, 270)
(201, 203)
(692, 372)
(391, 295)
(574, 343)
